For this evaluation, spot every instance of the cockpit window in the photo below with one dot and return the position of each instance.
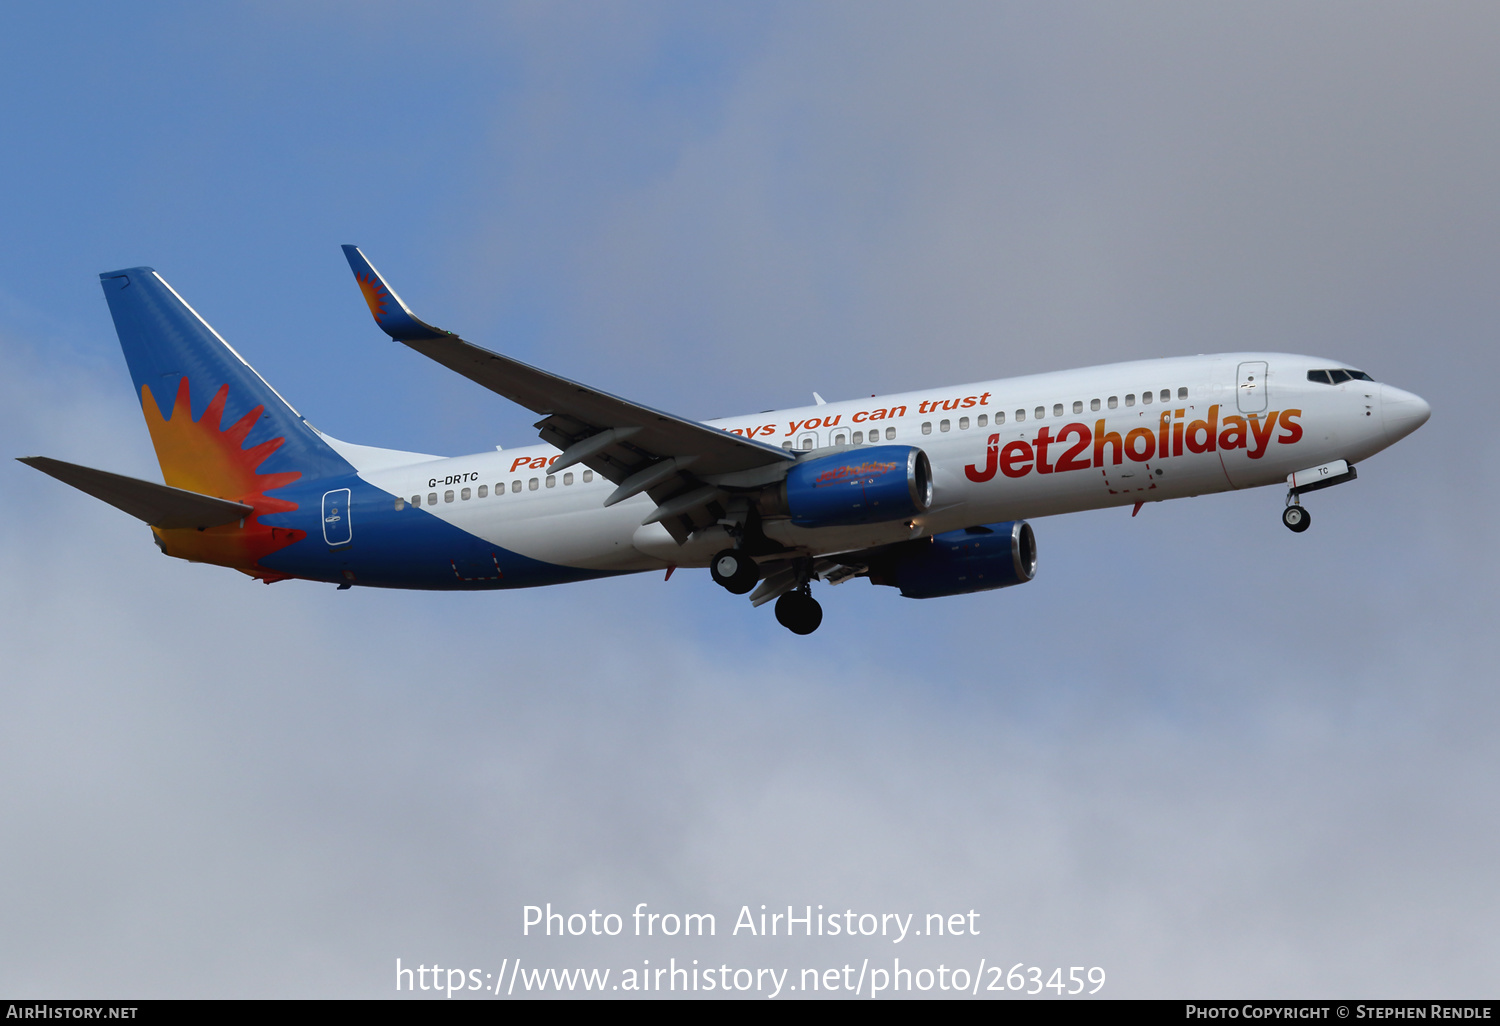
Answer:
(1337, 376)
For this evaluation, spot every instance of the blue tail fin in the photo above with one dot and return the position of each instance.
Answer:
(213, 419)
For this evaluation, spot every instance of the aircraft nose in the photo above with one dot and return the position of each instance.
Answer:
(1402, 412)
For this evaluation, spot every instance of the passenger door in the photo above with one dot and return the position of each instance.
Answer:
(1251, 387)
(338, 530)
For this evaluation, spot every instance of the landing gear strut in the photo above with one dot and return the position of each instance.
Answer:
(1296, 518)
(736, 572)
(798, 611)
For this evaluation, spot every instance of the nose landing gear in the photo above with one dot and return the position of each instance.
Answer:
(1296, 518)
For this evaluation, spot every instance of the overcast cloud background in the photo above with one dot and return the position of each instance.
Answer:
(1207, 755)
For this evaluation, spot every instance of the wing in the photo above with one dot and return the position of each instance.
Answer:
(674, 460)
(158, 505)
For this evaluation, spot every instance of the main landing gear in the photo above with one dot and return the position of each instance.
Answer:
(734, 571)
(798, 611)
(1296, 517)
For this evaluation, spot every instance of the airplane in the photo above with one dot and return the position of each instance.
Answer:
(926, 491)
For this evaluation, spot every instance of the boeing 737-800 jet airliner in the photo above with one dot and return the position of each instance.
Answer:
(926, 491)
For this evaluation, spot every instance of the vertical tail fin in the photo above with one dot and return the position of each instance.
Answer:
(219, 428)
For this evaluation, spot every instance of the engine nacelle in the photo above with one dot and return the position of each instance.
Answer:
(960, 562)
(861, 486)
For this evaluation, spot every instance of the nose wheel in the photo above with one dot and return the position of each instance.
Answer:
(734, 571)
(1296, 518)
(798, 611)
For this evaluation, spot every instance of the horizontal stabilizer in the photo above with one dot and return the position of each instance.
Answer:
(158, 505)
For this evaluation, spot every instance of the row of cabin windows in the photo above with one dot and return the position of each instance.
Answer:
(484, 490)
(858, 438)
(1040, 412)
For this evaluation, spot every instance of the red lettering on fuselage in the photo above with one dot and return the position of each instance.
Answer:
(992, 453)
(1070, 459)
(1260, 432)
(1013, 456)
(1174, 436)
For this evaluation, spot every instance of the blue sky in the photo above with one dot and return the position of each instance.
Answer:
(1207, 755)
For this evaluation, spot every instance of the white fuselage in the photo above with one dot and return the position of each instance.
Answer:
(1000, 450)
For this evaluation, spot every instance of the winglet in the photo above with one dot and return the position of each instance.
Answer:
(394, 317)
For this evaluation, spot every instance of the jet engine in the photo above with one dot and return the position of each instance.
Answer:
(960, 562)
(861, 486)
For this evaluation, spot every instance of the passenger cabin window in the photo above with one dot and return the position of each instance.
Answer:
(1094, 405)
(1182, 393)
(568, 478)
(984, 420)
(1020, 416)
(551, 480)
(416, 500)
(1057, 409)
(838, 439)
(588, 475)
(890, 433)
(465, 494)
(1166, 395)
(1077, 405)
(1114, 401)
(1000, 418)
(963, 423)
(787, 446)
(484, 490)
(515, 486)
(945, 425)
(926, 427)
(859, 437)
(532, 484)
(1145, 398)
(432, 498)
(400, 504)
(1041, 412)
(448, 495)
(1130, 399)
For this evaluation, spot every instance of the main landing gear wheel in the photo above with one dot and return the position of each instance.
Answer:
(1296, 518)
(734, 571)
(799, 612)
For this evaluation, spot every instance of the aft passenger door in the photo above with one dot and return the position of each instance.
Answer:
(337, 528)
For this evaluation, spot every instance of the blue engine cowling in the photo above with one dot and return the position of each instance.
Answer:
(960, 562)
(862, 486)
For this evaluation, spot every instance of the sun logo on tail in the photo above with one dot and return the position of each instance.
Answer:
(375, 294)
(204, 456)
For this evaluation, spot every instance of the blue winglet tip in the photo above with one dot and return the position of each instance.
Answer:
(390, 313)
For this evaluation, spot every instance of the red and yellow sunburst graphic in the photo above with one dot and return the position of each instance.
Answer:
(203, 456)
(375, 294)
